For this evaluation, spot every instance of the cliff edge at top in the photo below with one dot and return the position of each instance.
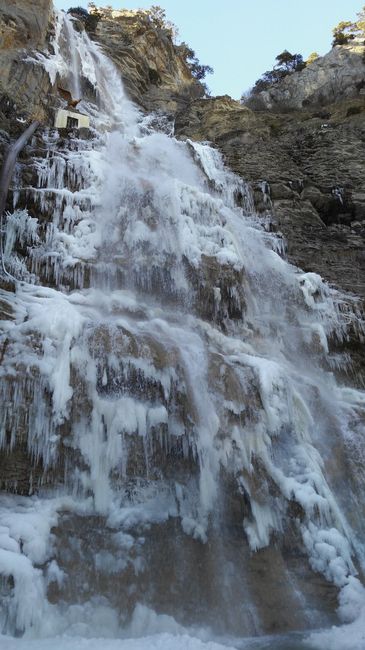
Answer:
(331, 78)
(155, 70)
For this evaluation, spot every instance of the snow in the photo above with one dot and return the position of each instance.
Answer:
(156, 642)
(346, 637)
(25, 541)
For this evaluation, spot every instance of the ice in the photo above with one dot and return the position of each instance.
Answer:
(175, 338)
(156, 642)
(25, 544)
(264, 522)
(20, 226)
(55, 64)
(346, 637)
(28, 593)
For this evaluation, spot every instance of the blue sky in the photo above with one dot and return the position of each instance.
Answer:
(240, 38)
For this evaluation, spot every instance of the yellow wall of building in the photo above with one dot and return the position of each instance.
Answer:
(62, 115)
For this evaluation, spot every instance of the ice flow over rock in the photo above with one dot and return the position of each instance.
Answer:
(174, 434)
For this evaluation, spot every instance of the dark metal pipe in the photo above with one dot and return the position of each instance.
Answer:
(5, 179)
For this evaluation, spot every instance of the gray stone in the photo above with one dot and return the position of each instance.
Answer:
(337, 75)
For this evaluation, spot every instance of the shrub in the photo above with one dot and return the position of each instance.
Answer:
(79, 12)
(198, 70)
(157, 16)
(344, 32)
(312, 57)
(353, 110)
(286, 64)
(90, 20)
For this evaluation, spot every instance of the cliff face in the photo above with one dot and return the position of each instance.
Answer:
(153, 68)
(336, 76)
(24, 24)
(306, 152)
(308, 148)
(24, 85)
(307, 169)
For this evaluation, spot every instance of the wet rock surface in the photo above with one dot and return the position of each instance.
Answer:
(212, 592)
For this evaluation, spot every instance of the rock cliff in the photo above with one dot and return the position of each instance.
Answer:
(24, 85)
(306, 167)
(154, 69)
(336, 76)
(303, 154)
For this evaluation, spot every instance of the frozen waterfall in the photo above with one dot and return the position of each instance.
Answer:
(178, 452)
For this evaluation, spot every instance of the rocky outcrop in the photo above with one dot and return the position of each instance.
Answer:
(306, 168)
(24, 85)
(153, 68)
(336, 76)
(24, 24)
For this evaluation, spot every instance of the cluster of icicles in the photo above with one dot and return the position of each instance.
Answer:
(172, 320)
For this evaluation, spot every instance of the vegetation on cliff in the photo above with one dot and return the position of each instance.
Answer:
(286, 63)
(154, 17)
(90, 20)
(346, 31)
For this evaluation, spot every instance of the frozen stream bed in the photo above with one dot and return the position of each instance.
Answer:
(352, 638)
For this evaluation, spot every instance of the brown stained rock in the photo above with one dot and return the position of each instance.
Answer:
(279, 577)
(18, 471)
(219, 583)
(219, 290)
(242, 399)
